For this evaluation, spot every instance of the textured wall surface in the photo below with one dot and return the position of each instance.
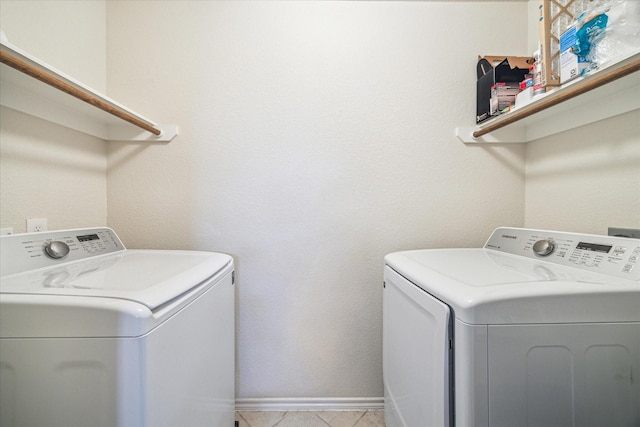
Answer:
(315, 137)
(586, 180)
(66, 34)
(47, 170)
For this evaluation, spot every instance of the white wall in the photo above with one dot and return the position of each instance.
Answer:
(315, 137)
(46, 170)
(66, 34)
(586, 180)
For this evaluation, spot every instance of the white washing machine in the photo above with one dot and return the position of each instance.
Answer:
(93, 334)
(538, 328)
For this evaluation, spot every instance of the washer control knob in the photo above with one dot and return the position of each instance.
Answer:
(56, 249)
(544, 247)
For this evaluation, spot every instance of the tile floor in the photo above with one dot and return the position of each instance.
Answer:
(365, 418)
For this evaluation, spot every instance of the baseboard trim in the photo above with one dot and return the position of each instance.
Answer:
(310, 404)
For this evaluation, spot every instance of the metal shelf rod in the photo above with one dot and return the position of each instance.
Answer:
(51, 80)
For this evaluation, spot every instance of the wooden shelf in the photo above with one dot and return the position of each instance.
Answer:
(30, 86)
(606, 93)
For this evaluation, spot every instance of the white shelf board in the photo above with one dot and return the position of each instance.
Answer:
(28, 95)
(614, 98)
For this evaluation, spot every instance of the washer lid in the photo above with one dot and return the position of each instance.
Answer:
(148, 277)
(488, 287)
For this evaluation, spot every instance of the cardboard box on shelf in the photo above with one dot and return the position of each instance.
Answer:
(571, 64)
(497, 69)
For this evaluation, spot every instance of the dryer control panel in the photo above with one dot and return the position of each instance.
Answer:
(29, 251)
(615, 256)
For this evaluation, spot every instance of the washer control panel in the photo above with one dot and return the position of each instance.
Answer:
(29, 251)
(616, 256)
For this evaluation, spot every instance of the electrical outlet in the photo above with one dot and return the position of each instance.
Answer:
(36, 225)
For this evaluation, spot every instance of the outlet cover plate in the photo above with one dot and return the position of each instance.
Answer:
(36, 225)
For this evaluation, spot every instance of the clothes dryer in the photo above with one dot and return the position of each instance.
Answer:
(537, 328)
(93, 334)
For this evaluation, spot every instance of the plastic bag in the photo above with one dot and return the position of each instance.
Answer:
(608, 31)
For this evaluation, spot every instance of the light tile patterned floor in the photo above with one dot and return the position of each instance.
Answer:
(368, 418)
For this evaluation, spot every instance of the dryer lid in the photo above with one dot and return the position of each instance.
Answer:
(148, 277)
(483, 286)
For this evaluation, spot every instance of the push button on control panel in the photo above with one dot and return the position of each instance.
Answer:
(632, 261)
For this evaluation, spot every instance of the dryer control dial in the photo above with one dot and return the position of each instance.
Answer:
(56, 249)
(544, 247)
